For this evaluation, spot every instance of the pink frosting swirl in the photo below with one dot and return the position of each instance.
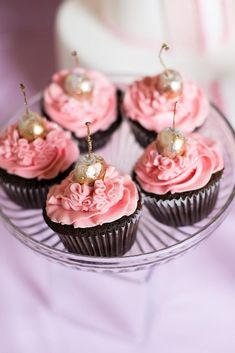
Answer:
(72, 113)
(191, 171)
(87, 206)
(144, 104)
(41, 158)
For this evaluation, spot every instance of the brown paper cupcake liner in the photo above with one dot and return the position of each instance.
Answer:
(99, 138)
(28, 193)
(27, 197)
(108, 240)
(185, 210)
(143, 136)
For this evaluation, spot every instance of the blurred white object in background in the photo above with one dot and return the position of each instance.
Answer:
(124, 36)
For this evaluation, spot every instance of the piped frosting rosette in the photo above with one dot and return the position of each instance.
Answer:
(100, 219)
(183, 190)
(145, 105)
(191, 171)
(43, 158)
(82, 206)
(71, 113)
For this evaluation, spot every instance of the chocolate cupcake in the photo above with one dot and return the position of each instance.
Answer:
(79, 95)
(34, 154)
(97, 220)
(148, 103)
(95, 210)
(180, 176)
(180, 189)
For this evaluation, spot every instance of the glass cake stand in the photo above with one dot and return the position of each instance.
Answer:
(155, 243)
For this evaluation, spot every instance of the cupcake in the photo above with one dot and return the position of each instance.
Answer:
(34, 154)
(95, 210)
(180, 177)
(148, 104)
(79, 95)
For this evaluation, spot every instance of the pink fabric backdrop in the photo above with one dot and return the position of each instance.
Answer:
(192, 302)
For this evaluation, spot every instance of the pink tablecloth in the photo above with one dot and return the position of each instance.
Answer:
(190, 301)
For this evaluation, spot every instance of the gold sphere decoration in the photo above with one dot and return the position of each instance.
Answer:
(88, 170)
(78, 85)
(170, 84)
(90, 167)
(31, 126)
(170, 143)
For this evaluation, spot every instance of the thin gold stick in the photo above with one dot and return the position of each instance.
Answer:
(164, 47)
(89, 140)
(76, 58)
(22, 87)
(174, 115)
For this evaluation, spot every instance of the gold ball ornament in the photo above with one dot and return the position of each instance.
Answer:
(31, 126)
(170, 83)
(89, 169)
(78, 85)
(170, 142)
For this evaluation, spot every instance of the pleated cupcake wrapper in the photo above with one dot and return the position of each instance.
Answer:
(142, 136)
(186, 210)
(110, 243)
(26, 196)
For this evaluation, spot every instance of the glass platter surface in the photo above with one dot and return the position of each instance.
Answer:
(155, 243)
